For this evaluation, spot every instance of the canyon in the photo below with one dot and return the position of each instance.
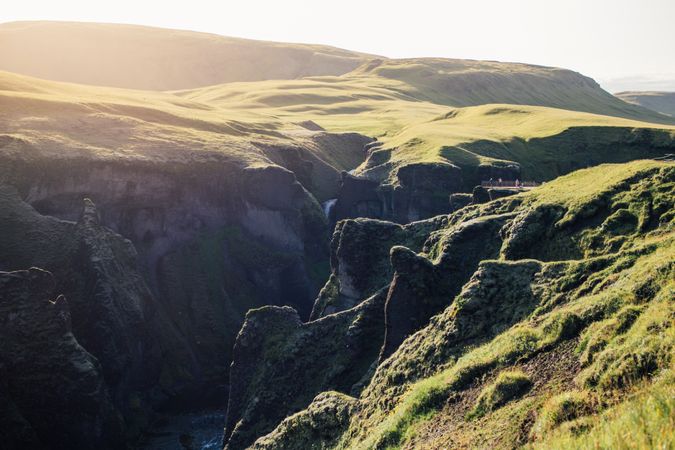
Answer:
(306, 255)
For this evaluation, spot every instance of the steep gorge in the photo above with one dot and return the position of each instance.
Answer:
(168, 257)
(508, 285)
(163, 252)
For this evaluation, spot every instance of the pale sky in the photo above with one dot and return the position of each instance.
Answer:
(623, 44)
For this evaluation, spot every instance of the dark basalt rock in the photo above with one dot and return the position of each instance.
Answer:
(476, 278)
(480, 195)
(496, 193)
(275, 372)
(320, 424)
(424, 190)
(273, 187)
(413, 297)
(460, 200)
(213, 238)
(115, 318)
(53, 389)
(358, 197)
(420, 190)
(360, 260)
(421, 288)
(505, 171)
(496, 296)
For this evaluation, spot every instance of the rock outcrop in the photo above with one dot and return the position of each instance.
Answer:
(359, 260)
(495, 285)
(142, 359)
(53, 390)
(275, 372)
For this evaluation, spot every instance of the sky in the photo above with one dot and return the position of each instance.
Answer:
(623, 44)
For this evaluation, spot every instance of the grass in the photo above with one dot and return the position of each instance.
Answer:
(415, 127)
(509, 384)
(140, 57)
(562, 408)
(645, 421)
(418, 120)
(616, 310)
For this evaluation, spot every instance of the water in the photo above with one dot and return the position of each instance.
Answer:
(193, 431)
(328, 205)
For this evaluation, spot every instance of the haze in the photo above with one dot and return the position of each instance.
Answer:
(625, 44)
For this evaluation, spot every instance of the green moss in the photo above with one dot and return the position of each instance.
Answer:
(562, 408)
(313, 428)
(644, 421)
(629, 357)
(607, 316)
(509, 384)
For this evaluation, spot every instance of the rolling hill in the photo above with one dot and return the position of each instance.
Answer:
(663, 102)
(457, 120)
(462, 121)
(141, 57)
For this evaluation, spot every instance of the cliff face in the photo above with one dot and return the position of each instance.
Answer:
(500, 311)
(161, 263)
(274, 344)
(112, 318)
(403, 190)
(53, 390)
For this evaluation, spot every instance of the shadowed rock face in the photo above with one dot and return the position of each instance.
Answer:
(473, 280)
(213, 239)
(359, 260)
(151, 353)
(112, 313)
(358, 197)
(53, 391)
(421, 289)
(275, 372)
(421, 191)
(161, 272)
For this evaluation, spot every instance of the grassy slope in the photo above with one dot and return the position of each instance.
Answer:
(41, 118)
(591, 358)
(422, 110)
(154, 58)
(236, 119)
(663, 102)
(63, 118)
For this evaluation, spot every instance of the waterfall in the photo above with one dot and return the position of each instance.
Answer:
(328, 205)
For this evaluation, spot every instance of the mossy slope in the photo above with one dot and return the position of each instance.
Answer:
(551, 344)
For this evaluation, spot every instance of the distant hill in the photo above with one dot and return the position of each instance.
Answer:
(389, 85)
(148, 58)
(462, 82)
(251, 123)
(141, 57)
(663, 102)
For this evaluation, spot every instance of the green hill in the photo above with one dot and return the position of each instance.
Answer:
(434, 116)
(412, 117)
